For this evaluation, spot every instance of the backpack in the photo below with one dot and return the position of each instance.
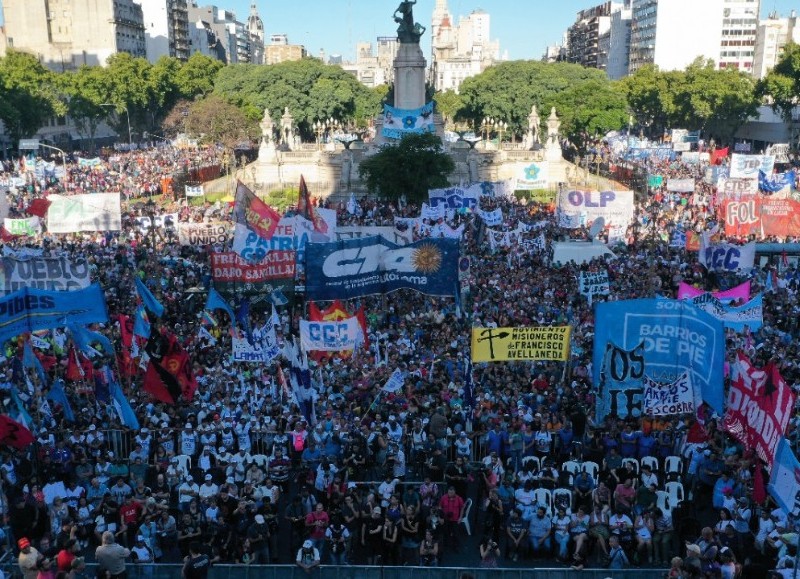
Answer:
(298, 442)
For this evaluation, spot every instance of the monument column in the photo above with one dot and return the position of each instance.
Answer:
(409, 64)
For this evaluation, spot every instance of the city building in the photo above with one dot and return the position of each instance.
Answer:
(65, 34)
(204, 40)
(774, 34)
(739, 30)
(279, 50)
(616, 44)
(583, 37)
(374, 68)
(166, 25)
(238, 40)
(460, 51)
(555, 53)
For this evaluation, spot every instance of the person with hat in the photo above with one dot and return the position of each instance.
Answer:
(28, 559)
(307, 557)
(208, 489)
(141, 553)
(258, 533)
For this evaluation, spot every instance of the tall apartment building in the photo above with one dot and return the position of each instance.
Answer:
(279, 50)
(65, 34)
(616, 44)
(673, 33)
(166, 25)
(773, 35)
(240, 43)
(374, 68)
(460, 51)
(584, 37)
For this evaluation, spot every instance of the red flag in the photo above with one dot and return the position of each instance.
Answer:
(5, 235)
(14, 434)
(759, 490)
(314, 313)
(304, 207)
(126, 330)
(362, 321)
(39, 207)
(79, 367)
(251, 211)
(169, 372)
(718, 155)
(160, 384)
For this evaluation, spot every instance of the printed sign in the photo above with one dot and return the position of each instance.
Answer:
(28, 227)
(85, 212)
(669, 399)
(727, 257)
(762, 216)
(233, 275)
(46, 273)
(199, 234)
(750, 315)
(680, 185)
(371, 265)
(263, 349)
(398, 122)
(331, 335)
(744, 166)
(291, 234)
(454, 198)
(676, 337)
(581, 208)
(533, 176)
(534, 343)
(594, 283)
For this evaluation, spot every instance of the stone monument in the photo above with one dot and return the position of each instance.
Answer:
(552, 147)
(532, 136)
(409, 64)
(266, 150)
(287, 129)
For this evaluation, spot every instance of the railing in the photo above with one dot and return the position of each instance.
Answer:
(159, 571)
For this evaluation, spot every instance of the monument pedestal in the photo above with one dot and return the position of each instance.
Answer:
(409, 77)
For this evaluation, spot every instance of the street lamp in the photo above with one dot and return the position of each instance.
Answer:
(323, 126)
(502, 127)
(486, 128)
(128, 116)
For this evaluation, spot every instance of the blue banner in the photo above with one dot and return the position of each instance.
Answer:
(372, 265)
(784, 480)
(399, 122)
(776, 182)
(750, 314)
(674, 337)
(29, 310)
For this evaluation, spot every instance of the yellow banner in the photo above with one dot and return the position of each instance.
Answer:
(510, 344)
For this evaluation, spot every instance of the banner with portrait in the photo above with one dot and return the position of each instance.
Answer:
(399, 122)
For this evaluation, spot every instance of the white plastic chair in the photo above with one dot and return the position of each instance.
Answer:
(592, 468)
(673, 465)
(664, 501)
(261, 460)
(632, 461)
(184, 463)
(533, 460)
(571, 466)
(650, 461)
(560, 496)
(465, 519)
(675, 491)
(543, 498)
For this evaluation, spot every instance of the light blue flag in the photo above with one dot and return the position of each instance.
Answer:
(149, 300)
(57, 395)
(29, 360)
(22, 415)
(216, 302)
(121, 405)
(84, 338)
(141, 325)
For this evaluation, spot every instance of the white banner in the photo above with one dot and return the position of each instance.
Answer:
(669, 399)
(46, 273)
(387, 232)
(533, 176)
(727, 256)
(744, 166)
(331, 336)
(395, 382)
(166, 221)
(263, 349)
(580, 208)
(29, 226)
(199, 234)
(86, 212)
(432, 213)
(492, 218)
(594, 283)
(680, 185)
(454, 197)
(194, 191)
(444, 230)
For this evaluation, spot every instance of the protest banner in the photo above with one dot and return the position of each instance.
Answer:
(292, 234)
(727, 256)
(748, 166)
(166, 222)
(84, 212)
(739, 292)
(676, 337)
(454, 198)
(330, 336)
(492, 218)
(543, 196)
(200, 234)
(533, 343)
(594, 283)
(233, 275)
(677, 397)
(263, 349)
(580, 208)
(27, 227)
(533, 176)
(749, 315)
(680, 185)
(395, 382)
(46, 273)
(784, 480)
(763, 216)
(387, 232)
(371, 265)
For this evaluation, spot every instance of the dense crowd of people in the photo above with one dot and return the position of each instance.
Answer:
(241, 475)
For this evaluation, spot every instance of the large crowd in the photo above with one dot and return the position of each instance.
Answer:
(241, 475)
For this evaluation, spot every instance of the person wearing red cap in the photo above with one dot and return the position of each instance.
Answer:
(28, 559)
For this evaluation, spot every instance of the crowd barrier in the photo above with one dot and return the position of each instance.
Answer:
(159, 571)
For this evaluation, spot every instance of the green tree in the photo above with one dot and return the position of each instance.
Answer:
(410, 167)
(29, 94)
(651, 96)
(218, 121)
(196, 76)
(782, 84)
(87, 89)
(448, 104)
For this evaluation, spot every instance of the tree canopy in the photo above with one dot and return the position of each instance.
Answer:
(412, 166)
(782, 83)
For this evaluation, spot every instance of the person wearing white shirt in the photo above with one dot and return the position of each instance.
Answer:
(186, 492)
(188, 440)
(648, 477)
(208, 489)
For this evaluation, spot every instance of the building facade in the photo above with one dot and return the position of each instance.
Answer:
(460, 51)
(279, 50)
(66, 34)
(774, 34)
(739, 30)
(618, 44)
(239, 40)
(166, 24)
(584, 44)
(374, 67)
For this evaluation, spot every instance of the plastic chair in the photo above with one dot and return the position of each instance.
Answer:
(534, 460)
(633, 462)
(571, 466)
(543, 498)
(184, 463)
(663, 501)
(465, 519)
(675, 491)
(650, 461)
(592, 468)
(673, 465)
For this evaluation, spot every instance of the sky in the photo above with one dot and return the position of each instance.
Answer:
(523, 27)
